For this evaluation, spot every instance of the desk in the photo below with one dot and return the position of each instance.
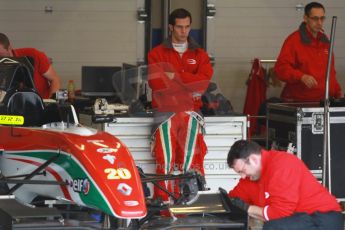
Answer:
(221, 133)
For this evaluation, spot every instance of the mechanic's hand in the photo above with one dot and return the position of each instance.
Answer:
(240, 204)
(309, 81)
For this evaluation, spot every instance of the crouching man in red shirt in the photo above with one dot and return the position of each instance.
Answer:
(279, 189)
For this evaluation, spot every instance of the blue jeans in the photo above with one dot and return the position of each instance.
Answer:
(303, 221)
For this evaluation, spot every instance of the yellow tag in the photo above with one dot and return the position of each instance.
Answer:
(11, 120)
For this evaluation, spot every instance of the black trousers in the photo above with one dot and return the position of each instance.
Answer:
(303, 221)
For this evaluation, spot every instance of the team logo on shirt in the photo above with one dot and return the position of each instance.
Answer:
(191, 61)
(267, 195)
(326, 51)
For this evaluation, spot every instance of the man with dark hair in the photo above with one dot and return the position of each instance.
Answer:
(303, 59)
(45, 78)
(180, 72)
(277, 187)
(310, 6)
(179, 13)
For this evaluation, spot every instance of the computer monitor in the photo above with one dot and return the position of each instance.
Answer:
(100, 81)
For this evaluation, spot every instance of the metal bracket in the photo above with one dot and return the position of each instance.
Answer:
(142, 15)
(210, 10)
(299, 114)
(48, 9)
(212, 60)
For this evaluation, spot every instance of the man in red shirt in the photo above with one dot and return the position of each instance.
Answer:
(180, 72)
(278, 188)
(45, 78)
(302, 61)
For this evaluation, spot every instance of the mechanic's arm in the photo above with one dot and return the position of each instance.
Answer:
(256, 212)
(309, 81)
(53, 79)
(199, 81)
(283, 192)
(286, 67)
(158, 78)
(247, 192)
(204, 72)
(337, 87)
(162, 78)
(252, 210)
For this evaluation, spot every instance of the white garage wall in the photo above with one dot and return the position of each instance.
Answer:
(105, 32)
(257, 28)
(76, 33)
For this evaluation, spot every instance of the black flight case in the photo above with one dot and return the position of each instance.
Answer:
(302, 126)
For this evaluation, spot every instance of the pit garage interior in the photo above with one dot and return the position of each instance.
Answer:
(99, 50)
